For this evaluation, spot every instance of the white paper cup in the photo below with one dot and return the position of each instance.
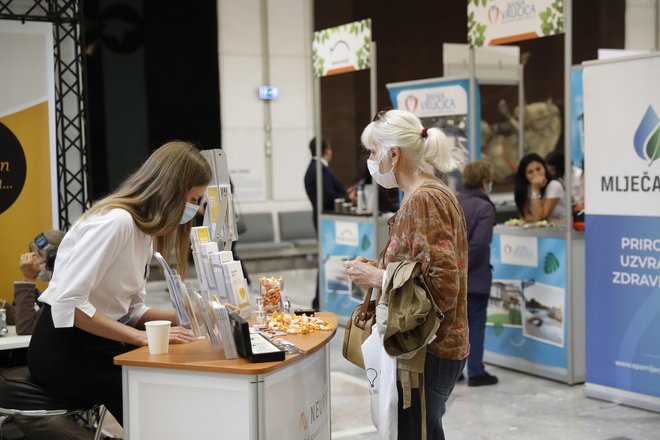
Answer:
(158, 336)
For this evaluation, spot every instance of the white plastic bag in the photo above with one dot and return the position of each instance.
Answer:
(380, 369)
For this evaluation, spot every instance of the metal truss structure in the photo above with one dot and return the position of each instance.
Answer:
(70, 118)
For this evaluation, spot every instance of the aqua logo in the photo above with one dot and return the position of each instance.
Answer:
(647, 137)
(411, 103)
(493, 14)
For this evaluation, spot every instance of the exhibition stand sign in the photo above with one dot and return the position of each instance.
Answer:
(506, 21)
(341, 49)
(442, 103)
(343, 239)
(622, 138)
(28, 173)
(525, 326)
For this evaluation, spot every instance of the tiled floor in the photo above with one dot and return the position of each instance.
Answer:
(519, 407)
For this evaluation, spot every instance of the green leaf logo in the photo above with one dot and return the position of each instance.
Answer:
(653, 147)
(550, 263)
(366, 243)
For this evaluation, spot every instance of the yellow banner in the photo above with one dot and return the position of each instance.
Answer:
(25, 188)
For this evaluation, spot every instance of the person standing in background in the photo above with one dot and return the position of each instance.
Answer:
(332, 189)
(480, 218)
(332, 186)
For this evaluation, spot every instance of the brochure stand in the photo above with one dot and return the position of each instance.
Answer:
(219, 215)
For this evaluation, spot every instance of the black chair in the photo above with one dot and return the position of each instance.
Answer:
(20, 396)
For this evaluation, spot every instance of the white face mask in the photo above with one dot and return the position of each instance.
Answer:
(45, 274)
(189, 213)
(386, 180)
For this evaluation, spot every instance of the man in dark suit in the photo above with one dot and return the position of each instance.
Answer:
(332, 189)
(332, 186)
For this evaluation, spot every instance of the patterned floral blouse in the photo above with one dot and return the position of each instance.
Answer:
(430, 228)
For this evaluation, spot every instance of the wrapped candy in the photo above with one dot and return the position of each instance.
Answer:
(271, 293)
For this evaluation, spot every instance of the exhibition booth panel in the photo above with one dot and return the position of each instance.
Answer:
(343, 238)
(194, 392)
(536, 313)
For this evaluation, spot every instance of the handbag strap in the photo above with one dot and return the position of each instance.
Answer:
(362, 317)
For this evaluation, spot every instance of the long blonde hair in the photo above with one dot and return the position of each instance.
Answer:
(155, 196)
(399, 128)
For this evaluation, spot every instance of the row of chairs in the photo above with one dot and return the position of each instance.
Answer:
(296, 235)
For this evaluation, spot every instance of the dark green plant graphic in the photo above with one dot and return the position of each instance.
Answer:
(552, 19)
(515, 318)
(550, 263)
(366, 243)
(498, 328)
(476, 31)
(653, 147)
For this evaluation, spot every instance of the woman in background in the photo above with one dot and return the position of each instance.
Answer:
(537, 194)
(480, 218)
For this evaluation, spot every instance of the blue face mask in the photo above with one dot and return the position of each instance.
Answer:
(490, 188)
(189, 213)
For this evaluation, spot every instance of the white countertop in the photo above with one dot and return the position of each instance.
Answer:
(12, 340)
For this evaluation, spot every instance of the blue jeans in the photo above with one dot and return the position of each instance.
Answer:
(440, 376)
(477, 308)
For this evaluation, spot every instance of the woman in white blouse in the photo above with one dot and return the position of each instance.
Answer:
(537, 194)
(94, 305)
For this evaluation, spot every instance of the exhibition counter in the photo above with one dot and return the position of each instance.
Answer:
(194, 392)
(536, 310)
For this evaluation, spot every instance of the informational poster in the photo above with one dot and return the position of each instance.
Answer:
(442, 103)
(525, 323)
(505, 21)
(343, 241)
(622, 131)
(28, 173)
(341, 49)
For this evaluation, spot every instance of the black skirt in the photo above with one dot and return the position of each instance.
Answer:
(76, 364)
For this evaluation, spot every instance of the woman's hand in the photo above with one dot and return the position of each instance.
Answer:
(538, 182)
(29, 265)
(233, 308)
(181, 335)
(364, 273)
(366, 260)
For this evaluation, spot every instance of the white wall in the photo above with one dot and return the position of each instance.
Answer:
(641, 20)
(261, 40)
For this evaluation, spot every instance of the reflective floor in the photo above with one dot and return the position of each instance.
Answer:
(519, 407)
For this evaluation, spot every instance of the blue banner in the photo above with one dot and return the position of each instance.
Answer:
(623, 302)
(442, 103)
(342, 241)
(527, 307)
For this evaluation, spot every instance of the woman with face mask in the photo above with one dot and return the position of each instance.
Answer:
(428, 228)
(480, 218)
(94, 307)
(37, 264)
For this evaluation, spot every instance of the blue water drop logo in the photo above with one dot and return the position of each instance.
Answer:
(647, 137)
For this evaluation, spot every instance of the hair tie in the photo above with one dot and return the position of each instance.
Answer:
(424, 132)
